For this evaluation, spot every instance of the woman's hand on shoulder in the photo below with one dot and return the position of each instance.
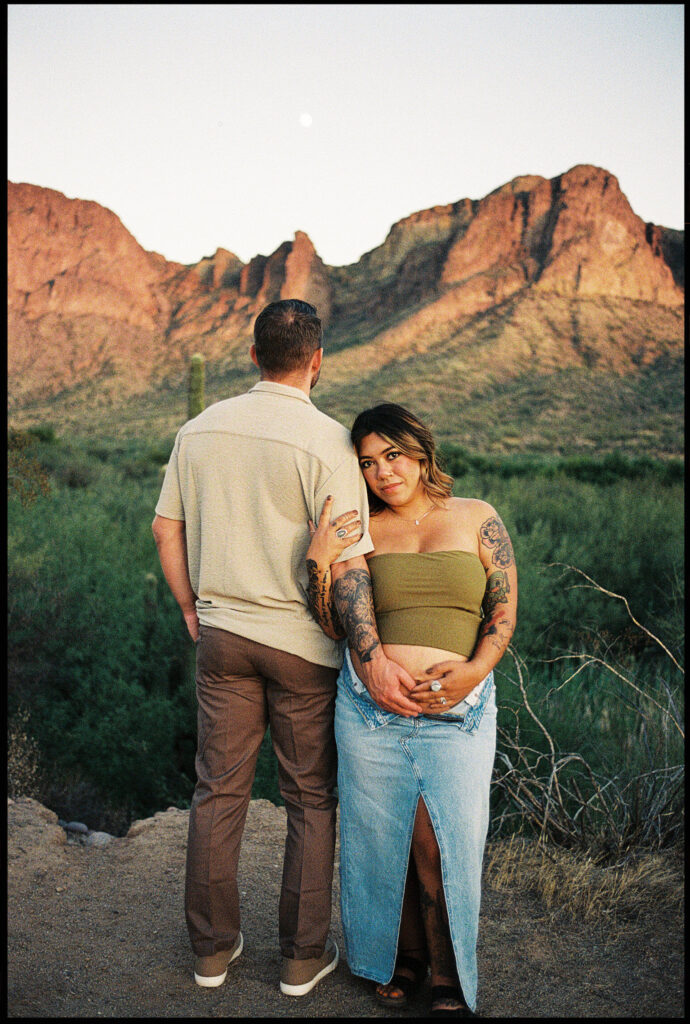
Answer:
(330, 538)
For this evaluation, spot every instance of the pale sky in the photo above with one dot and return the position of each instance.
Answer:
(235, 125)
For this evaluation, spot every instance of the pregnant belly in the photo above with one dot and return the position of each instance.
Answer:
(419, 659)
(414, 659)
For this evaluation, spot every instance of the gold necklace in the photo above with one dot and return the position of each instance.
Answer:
(415, 521)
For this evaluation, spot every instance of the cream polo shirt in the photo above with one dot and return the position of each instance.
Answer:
(245, 476)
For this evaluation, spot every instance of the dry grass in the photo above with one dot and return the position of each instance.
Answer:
(573, 886)
(23, 758)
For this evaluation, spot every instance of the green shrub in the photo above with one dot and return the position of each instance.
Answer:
(75, 474)
(44, 432)
(103, 661)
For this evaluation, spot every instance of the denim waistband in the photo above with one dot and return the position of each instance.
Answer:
(466, 715)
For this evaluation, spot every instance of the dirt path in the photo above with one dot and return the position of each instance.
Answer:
(100, 932)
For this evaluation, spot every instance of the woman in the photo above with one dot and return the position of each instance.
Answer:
(414, 791)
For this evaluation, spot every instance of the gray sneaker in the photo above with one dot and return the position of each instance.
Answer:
(297, 977)
(211, 971)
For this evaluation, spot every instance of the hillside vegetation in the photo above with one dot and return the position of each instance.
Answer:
(100, 670)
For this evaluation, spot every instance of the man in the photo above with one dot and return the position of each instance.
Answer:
(244, 479)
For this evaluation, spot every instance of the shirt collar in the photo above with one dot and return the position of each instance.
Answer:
(273, 387)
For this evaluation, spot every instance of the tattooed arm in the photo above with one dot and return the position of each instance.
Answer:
(321, 601)
(500, 598)
(325, 547)
(387, 682)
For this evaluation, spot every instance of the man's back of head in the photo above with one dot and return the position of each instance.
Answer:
(286, 336)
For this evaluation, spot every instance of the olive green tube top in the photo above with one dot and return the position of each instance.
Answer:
(429, 598)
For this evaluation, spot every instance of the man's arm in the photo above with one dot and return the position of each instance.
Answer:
(169, 535)
(386, 681)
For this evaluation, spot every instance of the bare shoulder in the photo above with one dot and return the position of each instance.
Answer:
(375, 532)
(475, 510)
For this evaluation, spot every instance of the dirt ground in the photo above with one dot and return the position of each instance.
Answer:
(100, 932)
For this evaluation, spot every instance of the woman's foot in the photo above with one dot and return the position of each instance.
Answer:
(404, 985)
(448, 1001)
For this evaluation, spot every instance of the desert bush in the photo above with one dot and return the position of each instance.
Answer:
(26, 477)
(23, 757)
(44, 432)
(98, 653)
(73, 796)
(630, 533)
(603, 470)
(631, 796)
(75, 474)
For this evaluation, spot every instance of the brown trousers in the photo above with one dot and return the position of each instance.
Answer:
(243, 686)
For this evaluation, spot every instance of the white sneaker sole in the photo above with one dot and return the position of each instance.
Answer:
(301, 990)
(218, 979)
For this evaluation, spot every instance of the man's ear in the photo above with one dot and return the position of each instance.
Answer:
(252, 353)
(317, 360)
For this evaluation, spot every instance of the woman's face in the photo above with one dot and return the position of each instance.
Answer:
(391, 476)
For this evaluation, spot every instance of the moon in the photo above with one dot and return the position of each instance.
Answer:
(305, 120)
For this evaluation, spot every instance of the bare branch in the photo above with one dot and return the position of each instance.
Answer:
(597, 586)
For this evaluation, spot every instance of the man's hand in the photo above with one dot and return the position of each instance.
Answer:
(169, 535)
(192, 622)
(389, 685)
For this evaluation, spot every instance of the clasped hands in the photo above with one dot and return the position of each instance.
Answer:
(394, 689)
(457, 679)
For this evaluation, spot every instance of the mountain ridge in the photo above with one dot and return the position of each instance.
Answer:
(538, 275)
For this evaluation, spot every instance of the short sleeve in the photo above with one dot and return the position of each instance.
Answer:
(170, 504)
(349, 491)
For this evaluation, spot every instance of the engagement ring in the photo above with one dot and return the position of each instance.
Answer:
(342, 532)
(435, 686)
(443, 700)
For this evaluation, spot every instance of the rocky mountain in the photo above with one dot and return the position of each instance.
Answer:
(537, 276)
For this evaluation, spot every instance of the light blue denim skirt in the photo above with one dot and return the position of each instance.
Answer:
(385, 764)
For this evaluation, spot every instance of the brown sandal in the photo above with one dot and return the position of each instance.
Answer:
(408, 986)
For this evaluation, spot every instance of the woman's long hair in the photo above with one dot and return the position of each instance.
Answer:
(403, 430)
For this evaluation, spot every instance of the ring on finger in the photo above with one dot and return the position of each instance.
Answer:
(435, 686)
(443, 700)
(342, 532)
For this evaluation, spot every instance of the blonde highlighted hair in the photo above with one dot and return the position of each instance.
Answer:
(404, 431)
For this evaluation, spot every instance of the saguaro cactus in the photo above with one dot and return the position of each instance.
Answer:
(196, 385)
(149, 622)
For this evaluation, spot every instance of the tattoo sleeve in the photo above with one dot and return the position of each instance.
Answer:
(495, 536)
(354, 602)
(321, 600)
(498, 624)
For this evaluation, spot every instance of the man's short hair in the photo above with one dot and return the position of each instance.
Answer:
(286, 336)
